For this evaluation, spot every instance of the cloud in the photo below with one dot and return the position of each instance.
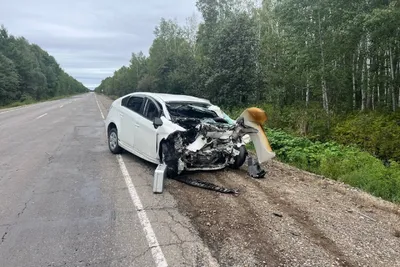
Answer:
(91, 38)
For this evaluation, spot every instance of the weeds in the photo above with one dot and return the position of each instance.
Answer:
(343, 163)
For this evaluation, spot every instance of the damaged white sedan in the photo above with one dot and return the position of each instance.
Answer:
(184, 132)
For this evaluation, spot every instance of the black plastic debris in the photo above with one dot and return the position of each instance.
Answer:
(205, 185)
(254, 168)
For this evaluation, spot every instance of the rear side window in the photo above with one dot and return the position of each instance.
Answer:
(124, 101)
(135, 103)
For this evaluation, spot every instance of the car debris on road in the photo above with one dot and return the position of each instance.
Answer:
(159, 177)
(254, 168)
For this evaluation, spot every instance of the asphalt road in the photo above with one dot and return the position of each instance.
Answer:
(65, 200)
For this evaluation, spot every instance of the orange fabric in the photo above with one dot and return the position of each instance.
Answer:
(257, 115)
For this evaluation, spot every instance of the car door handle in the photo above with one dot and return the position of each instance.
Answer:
(137, 125)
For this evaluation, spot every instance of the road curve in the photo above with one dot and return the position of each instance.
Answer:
(64, 200)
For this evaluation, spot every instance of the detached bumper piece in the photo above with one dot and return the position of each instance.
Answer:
(158, 179)
(205, 185)
(254, 168)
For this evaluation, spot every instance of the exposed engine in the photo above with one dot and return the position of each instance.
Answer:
(209, 142)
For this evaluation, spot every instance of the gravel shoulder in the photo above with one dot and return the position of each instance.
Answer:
(290, 218)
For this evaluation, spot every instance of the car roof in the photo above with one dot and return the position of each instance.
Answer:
(173, 97)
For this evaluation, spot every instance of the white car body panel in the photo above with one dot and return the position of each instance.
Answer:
(146, 135)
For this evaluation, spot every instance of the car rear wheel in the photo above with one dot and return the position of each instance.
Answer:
(113, 141)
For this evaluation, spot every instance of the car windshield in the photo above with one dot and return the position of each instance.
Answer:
(190, 110)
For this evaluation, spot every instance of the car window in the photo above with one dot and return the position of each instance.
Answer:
(190, 110)
(135, 103)
(124, 101)
(151, 110)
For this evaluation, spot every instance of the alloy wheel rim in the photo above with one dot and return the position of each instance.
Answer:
(113, 140)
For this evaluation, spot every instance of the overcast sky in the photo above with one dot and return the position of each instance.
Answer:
(91, 38)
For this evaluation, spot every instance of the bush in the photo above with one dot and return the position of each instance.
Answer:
(375, 133)
(344, 163)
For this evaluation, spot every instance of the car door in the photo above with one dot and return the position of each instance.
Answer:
(146, 135)
(129, 115)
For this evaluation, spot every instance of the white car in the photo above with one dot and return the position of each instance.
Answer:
(184, 132)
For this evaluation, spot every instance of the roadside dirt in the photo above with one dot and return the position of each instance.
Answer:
(289, 218)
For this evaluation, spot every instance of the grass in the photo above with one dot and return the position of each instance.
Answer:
(347, 164)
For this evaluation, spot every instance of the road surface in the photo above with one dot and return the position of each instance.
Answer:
(64, 200)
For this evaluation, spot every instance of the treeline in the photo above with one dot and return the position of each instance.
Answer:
(28, 73)
(310, 64)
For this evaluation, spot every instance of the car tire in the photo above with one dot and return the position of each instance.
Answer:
(168, 159)
(113, 141)
(240, 159)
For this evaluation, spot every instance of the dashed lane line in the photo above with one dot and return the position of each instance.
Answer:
(41, 116)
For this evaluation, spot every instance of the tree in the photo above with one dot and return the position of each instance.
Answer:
(29, 72)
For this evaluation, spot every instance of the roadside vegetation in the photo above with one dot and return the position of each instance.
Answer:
(28, 74)
(347, 164)
(327, 73)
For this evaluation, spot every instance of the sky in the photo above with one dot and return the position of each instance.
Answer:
(91, 39)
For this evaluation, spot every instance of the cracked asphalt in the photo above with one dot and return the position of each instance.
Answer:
(64, 201)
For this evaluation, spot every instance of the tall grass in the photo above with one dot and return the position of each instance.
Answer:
(343, 163)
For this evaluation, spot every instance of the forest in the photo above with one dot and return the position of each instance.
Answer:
(29, 74)
(327, 73)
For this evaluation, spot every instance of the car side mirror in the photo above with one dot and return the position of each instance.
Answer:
(157, 122)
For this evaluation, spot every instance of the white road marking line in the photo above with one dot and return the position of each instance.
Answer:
(156, 251)
(61, 106)
(102, 115)
(41, 116)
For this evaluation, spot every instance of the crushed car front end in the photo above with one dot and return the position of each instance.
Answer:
(209, 140)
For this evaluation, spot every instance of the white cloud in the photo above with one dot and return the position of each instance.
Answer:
(91, 39)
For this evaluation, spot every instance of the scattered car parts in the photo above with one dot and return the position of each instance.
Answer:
(254, 168)
(205, 185)
(159, 177)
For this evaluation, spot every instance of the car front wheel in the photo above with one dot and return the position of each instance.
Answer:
(113, 141)
(239, 159)
(168, 158)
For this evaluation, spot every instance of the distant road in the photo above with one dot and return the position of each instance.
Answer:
(64, 200)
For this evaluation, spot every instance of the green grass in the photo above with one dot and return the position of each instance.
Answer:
(343, 163)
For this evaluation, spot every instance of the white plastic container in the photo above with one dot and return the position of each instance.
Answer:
(158, 179)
